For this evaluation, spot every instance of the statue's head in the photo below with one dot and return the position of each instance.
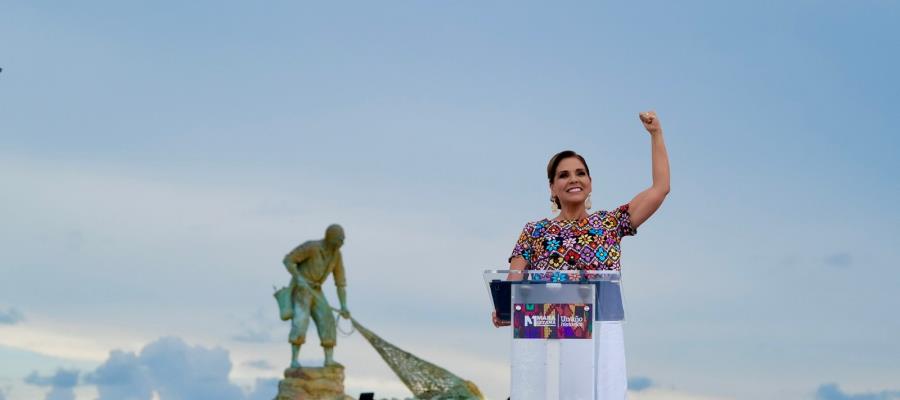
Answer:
(334, 236)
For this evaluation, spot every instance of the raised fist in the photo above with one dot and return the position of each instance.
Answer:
(650, 121)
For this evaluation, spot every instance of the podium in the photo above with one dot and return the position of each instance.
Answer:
(553, 316)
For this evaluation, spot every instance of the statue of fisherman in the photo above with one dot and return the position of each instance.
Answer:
(310, 264)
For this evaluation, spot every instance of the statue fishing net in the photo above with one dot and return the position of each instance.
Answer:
(425, 380)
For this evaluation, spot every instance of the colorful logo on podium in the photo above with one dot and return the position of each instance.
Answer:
(552, 321)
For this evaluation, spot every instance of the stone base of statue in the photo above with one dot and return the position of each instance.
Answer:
(322, 383)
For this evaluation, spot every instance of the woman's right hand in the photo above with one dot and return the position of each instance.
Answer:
(498, 322)
(650, 121)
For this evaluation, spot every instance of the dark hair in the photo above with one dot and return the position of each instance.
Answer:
(554, 163)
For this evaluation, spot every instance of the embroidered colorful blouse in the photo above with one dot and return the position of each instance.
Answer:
(592, 243)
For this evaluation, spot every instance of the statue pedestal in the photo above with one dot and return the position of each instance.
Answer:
(322, 383)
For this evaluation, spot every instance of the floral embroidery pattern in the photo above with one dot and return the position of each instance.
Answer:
(592, 243)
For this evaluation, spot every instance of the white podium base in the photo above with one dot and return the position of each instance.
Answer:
(611, 378)
(571, 369)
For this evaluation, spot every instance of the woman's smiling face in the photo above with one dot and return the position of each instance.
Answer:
(571, 182)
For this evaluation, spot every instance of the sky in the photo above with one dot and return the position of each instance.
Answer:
(158, 159)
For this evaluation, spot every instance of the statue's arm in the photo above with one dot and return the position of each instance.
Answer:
(342, 296)
(292, 261)
(340, 280)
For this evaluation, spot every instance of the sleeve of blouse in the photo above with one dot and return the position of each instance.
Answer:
(523, 245)
(624, 219)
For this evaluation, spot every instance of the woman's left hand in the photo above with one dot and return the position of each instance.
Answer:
(497, 321)
(650, 121)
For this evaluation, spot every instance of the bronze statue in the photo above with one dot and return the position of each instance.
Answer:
(309, 265)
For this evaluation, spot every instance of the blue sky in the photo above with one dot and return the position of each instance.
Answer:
(158, 160)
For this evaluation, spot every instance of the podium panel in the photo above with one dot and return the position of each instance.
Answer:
(558, 362)
(553, 314)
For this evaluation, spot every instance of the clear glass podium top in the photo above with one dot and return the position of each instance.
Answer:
(551, 276)
(607, 284)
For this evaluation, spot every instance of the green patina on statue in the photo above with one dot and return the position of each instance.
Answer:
(309, 265)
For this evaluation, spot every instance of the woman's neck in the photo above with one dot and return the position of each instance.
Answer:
(569, 213)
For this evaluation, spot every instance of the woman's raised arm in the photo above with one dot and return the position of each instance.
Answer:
(642, 206)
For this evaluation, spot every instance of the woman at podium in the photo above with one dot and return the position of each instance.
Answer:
(577, 239)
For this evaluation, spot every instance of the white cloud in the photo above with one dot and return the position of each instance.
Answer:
(169, 366)
(258, 364)
(122, 376)
(61, 383)
(172, 369)
(258, 328)
(264, 389)
(831, 391)
(67, 340)
(11, 316)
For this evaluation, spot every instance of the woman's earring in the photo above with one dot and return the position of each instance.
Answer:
(587, 202)
(553, 207)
